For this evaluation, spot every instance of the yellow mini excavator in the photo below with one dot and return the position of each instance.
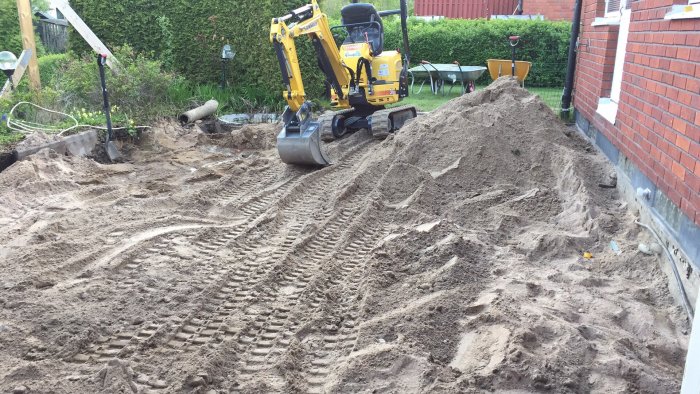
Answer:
(363, 77)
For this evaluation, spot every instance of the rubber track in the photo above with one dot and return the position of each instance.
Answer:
(381, 121)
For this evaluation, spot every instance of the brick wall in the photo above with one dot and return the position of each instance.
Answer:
(658, 119)
(555, 10)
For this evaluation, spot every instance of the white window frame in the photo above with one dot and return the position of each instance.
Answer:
(680, 11)
(607, 106)
(613, 14)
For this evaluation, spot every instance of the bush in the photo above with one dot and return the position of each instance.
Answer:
(10, 36)
(193, 34)
(140, 88)
(50, 67)
(472, 42)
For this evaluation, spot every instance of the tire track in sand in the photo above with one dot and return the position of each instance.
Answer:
(207, 323)
(326, 260)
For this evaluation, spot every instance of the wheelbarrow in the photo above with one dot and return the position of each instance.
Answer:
(502, 67)
(424, 72)
(517, 69)
(456, 73)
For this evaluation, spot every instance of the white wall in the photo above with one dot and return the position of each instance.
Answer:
(691, 380)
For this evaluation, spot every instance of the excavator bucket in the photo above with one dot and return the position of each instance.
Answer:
(299, 142)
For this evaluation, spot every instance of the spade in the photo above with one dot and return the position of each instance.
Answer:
(112, 151)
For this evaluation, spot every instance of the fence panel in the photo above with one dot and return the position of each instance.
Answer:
(54, 34)
(464, 9)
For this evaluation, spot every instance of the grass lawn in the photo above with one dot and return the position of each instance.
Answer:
(9, 138)
(426, 101)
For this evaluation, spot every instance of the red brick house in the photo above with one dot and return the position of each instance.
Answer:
(637, 95)
(554, 10)
(472, 9)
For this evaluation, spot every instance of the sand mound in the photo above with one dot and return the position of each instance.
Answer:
(260, 136)
(495, 201)
(446, 258)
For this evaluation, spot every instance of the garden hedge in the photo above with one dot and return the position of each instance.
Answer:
(189, 35)
(10, 37)
(472, 42)
(193, 32)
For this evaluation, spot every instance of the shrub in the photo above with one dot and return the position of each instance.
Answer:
(472, 42)
(10, 37)
(198, 30)
(50, 67)
(140, 88)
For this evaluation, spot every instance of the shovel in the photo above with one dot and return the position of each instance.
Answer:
(112, 151)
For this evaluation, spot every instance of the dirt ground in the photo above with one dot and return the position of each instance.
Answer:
(447, 258)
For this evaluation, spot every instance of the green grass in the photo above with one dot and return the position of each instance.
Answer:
(9, 138)
(551, 96)
(426, 101)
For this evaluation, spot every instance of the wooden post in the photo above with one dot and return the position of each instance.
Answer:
(28, 42)
(79, 25)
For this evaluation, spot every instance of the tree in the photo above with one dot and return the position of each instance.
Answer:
(10, 37)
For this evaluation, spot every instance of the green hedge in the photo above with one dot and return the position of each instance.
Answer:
(189, 35)
(472, 42)
(10, 37)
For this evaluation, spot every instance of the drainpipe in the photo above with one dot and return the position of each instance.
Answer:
(519, 10)
(571, 66)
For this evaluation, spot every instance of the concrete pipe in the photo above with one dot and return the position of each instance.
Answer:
(209, 108)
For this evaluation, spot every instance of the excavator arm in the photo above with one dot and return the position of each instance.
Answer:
(307, 20)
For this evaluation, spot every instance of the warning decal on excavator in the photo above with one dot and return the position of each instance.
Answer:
(383, 70)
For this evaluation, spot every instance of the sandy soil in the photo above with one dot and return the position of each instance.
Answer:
(444, 259)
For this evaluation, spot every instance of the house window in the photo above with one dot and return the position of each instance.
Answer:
(612, 8)
(607, 106)
(682, 11)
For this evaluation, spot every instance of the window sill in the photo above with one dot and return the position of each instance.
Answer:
(607, 109)
(683, 12)
(607, 21)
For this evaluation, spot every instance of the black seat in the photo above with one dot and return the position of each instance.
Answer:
(367, 21)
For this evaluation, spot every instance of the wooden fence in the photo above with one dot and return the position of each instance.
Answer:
(54, 34)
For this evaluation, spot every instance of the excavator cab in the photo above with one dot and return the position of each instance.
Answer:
(363, 24)
(364, 79)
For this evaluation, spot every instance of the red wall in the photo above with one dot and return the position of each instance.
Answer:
(472, 9)
(464, 9)
(555, 10)
(658, 120)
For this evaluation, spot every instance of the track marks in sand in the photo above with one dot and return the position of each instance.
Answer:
(240, 276)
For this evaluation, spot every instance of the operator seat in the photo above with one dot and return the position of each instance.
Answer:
(366, 15)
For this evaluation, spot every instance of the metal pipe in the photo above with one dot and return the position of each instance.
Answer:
(519, 10)
(404, 32)
(571, 66)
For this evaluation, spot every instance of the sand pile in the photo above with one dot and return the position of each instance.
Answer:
(255, 136)
(446, 258)
(481, 284)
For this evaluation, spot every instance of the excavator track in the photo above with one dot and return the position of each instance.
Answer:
(326, 124)
(384, 122)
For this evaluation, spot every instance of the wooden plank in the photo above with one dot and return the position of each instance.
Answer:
(85, 31)
(22, 64)
(28, 41)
